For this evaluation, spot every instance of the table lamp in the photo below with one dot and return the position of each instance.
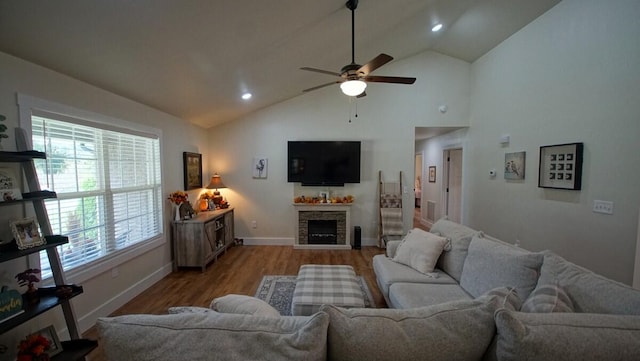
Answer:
(216, 183)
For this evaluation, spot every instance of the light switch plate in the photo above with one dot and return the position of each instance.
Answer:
(605, 207)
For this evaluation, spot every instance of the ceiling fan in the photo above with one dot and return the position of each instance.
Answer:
(353, 78)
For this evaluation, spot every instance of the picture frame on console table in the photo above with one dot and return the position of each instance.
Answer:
(192, 170)
(561, 166)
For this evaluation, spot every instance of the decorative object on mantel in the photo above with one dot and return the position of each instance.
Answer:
(28, 278)
(561, 166)
(192, 170)
(25, 231)
(177, 198)
(260, 167)
(3, 128)
(318, 200)
(216, 183)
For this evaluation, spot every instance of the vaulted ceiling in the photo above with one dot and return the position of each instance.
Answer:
(195, 58)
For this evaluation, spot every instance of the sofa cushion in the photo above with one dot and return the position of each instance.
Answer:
(189, 309)
(388, 272)
(201, 336)
(491, 264)
(420, 250)
(566, 336)
(506, 297)
(243, 304)
(410, 295)
(589, 292)
(548, 298)
(450, 331)
(451, 261)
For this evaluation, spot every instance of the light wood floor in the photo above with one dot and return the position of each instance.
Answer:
(239, 271)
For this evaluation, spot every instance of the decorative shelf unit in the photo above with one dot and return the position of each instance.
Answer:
(200, 240)
(76, 348)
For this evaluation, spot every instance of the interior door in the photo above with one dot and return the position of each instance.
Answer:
(453, 184)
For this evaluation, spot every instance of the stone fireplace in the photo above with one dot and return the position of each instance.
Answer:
(323, 226)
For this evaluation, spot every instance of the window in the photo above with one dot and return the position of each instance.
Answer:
(108, 182)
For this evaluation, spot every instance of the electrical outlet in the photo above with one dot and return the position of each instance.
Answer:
(605, 207)
(254, 224)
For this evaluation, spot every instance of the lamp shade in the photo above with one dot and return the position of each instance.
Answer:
(216, 182)
(353, 88)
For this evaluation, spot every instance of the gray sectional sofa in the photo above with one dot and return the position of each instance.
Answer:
(484, 300)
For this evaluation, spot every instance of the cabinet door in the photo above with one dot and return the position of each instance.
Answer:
(228, 228)
(209, 244)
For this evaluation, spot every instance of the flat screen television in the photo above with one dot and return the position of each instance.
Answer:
(323, 163)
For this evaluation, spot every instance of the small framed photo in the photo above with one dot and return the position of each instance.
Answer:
(260, 167)
(49, 332)
(192, 170)
(9, 187)
(514, 165)
(26, 233)
(561, 166)
(432, 174)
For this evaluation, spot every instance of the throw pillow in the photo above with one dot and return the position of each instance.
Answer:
(492, 263)
(242, 304)
(420, 250)
(459, 330)
(566, 336)
(207, 336)
(452, 260)
(548, 298)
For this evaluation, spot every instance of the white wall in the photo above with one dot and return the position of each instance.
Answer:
(103, 294)
(386, 122)
(570, 76)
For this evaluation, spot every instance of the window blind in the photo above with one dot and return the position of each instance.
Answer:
(108, 185)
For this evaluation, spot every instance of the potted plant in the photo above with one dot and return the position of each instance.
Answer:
(29, 278)
(34, 348)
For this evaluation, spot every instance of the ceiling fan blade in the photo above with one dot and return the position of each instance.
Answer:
(321, 86)
(321, 71)
(389, 79)
(375, 63)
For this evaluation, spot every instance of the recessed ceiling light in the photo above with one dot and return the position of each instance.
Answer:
(436, 28)
(246, 96)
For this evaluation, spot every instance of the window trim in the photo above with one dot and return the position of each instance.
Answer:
(28, 105)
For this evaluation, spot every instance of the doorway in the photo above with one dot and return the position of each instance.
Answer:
(452, 185)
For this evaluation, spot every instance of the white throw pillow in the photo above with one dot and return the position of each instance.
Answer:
(242, 304)
(420, 250)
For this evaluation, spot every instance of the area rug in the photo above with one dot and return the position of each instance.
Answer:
(278, 292)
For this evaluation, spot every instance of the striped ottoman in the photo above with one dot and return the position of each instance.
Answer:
(317, 285)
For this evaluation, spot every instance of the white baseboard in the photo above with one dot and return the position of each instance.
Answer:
(88, 320)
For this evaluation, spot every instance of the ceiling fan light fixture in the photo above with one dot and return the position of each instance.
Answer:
(353, 88)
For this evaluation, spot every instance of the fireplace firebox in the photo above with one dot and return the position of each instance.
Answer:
(321, 231)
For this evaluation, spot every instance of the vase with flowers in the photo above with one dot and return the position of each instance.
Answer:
(34, 348)
(29, 278)
(177, 198)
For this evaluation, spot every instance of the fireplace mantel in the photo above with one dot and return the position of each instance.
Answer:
(324, 207)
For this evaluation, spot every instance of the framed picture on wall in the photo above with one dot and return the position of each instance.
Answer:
(260, 167)
(514, 165)
(561, 166)
(432, 174)
(192, 170)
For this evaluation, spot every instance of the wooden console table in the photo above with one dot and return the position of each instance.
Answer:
(198, 241)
